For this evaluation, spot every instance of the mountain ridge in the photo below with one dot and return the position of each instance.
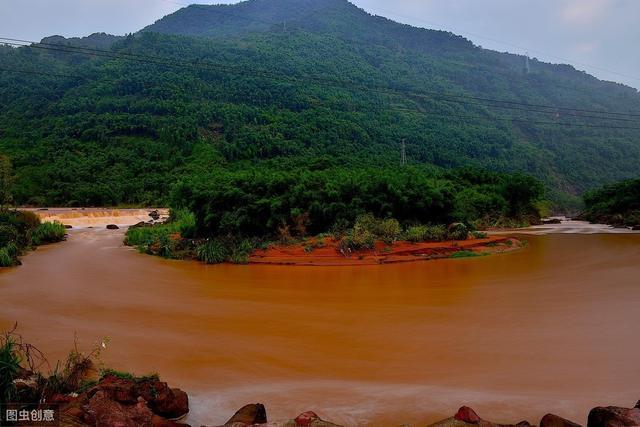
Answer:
(345, 86)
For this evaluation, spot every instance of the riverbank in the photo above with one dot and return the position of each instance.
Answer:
(327, 252)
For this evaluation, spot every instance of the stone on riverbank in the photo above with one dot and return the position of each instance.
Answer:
(253, 413)
(613, 416)
(551, 420)
(112, 227)
(125, 402)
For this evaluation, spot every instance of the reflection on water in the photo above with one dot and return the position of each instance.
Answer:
(551, 328)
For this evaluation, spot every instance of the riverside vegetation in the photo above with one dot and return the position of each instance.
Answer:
(616, 204)
(21, 231)
(224, 216)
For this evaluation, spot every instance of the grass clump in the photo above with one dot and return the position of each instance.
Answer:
(48, 232)
(465, 254)
(20, 360)
(128, 376)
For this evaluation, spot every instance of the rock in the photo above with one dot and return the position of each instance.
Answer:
(636, 228)
(467, 415)
(123, 402)
(112, 227)
(311, 419)
(551, 420)
(155, 215)
(613, 416)
(164, 401)
(141, 224)
(68, 227)
(103, 411)
(551, 221)
(254, 413)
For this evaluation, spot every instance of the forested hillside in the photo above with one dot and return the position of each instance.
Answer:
(295, 85)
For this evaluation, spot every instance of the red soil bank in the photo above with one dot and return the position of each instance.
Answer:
(329, 254)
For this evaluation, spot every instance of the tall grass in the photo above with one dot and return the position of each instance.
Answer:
(9, 367)
(48, 232)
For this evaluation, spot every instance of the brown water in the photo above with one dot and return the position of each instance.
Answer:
(551, 328)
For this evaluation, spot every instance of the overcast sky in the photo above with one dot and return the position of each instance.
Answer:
(598, 36)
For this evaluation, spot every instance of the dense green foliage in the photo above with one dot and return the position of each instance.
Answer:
(20, 231)
(267, 202)
(617, 204)
(337, 89)
(223, 215)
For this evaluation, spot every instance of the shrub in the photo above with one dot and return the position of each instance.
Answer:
(416, 233)
(241, 252)
(9, 367)
(8, 234)
(6, 259)
(389, 230)
(212, 252)
(479, 235)
(48, 232)
(458, 231)
(426, 233)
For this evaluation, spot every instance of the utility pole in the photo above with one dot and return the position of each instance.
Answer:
(403, 152)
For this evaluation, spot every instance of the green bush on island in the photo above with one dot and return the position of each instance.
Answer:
(261, 202)
(21, 231)
(222, 215)
(424, 233)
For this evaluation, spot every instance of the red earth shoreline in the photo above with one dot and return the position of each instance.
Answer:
(329, 255)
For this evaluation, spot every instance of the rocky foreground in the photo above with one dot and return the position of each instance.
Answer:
(119, 402)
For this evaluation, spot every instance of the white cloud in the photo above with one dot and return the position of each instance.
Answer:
(584, 12)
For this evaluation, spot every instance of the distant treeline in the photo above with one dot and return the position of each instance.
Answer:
(617, 204)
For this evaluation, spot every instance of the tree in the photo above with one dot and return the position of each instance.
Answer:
(6, 181)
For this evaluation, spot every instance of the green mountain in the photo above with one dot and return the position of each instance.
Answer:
(296, 84)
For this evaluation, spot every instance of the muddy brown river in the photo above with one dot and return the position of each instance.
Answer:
(550, 328)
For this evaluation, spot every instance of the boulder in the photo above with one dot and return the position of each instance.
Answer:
(467, 415)
(68, 227)
(613, 416)
(112, 227)
(103, 411)
(124, 402)
(311, 419)
(254, 413)
(155, 215)
(551, 221)
(164, 401)
(551, 420)
(141, 224)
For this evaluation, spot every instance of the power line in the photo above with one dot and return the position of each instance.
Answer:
(463, 99)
